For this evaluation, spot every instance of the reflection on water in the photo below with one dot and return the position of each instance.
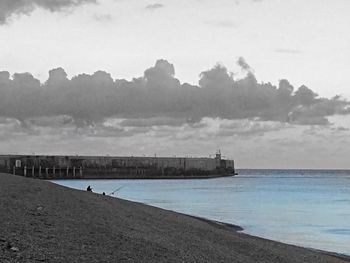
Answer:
(307, 208)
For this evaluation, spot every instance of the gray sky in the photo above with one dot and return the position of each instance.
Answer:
(305, 42)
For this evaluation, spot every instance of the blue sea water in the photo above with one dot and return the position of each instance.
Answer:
(309, 208)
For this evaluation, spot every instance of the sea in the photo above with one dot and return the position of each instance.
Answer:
(309, 208)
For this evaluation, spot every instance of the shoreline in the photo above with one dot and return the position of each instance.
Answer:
(238, 229)
(43, 221)
(165, 177)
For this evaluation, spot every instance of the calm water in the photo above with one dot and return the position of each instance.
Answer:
(307, 208)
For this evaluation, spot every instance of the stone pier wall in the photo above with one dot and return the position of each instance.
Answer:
(98, 167)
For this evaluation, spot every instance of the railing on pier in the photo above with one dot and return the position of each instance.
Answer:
(49, 173)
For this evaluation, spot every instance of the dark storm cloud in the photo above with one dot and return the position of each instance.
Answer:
(10, 7)
(154, 6)
(159, 97)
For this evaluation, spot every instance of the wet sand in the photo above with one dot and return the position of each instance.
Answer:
(44, 222)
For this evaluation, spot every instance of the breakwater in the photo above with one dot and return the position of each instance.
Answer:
(113, 167)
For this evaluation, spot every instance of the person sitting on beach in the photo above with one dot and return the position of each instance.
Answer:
(103, 193)
(89, 189)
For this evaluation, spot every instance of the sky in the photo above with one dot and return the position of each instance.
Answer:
(154, 48)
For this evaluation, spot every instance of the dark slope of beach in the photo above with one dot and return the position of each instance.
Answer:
(44, 222)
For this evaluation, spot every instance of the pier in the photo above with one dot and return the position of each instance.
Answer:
(113, 167)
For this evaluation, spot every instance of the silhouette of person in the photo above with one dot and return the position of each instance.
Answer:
(89, 189)
(103, 193)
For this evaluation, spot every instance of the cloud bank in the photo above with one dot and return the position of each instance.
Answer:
(10, 7)
(87, 99)
(257, 124)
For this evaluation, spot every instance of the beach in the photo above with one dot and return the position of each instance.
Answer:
(45, 222)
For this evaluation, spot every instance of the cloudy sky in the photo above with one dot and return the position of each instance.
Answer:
(263, 80)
